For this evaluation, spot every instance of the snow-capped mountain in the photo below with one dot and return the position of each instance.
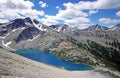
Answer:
(60, 27)
(68, 43)
(19, 32)
(28, 33)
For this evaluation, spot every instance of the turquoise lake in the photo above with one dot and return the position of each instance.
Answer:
(49, 58)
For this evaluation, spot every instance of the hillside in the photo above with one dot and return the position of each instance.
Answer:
(13, 65)
(97, 46)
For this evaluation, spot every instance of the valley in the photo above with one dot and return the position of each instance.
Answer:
(97, 46)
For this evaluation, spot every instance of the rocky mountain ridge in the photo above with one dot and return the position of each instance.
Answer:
(96, 27)
(96, 45)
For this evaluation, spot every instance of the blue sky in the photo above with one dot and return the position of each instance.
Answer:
(76, 13)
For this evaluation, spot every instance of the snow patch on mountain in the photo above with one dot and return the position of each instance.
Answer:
(38, 26)
(6, 44)
(3, 37)
(33, 38)
(18, 29)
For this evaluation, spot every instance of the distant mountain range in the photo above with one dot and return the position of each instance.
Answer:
(96, 45)
(96, 27)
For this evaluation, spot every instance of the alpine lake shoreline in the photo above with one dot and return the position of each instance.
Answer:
(51, 59)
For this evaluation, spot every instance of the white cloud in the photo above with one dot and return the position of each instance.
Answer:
(48, 21)
(32, 13)
(43, 4)
(118, 13)
(74, 13)
(57, 7)
(93, 12)
(71, 13)
(99, 4)
(68, 15)
(9, 13)
(12, 9)
(80, 20)
(13, 4)
(3, 21)
(77, 21)
(109, 21)
(54, 17)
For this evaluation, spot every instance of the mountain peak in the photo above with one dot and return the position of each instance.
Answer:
(118, 25)
(28, 19)
(96, 27)
(59, 27)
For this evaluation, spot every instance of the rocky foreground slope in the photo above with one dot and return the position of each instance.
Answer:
(15, 66)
